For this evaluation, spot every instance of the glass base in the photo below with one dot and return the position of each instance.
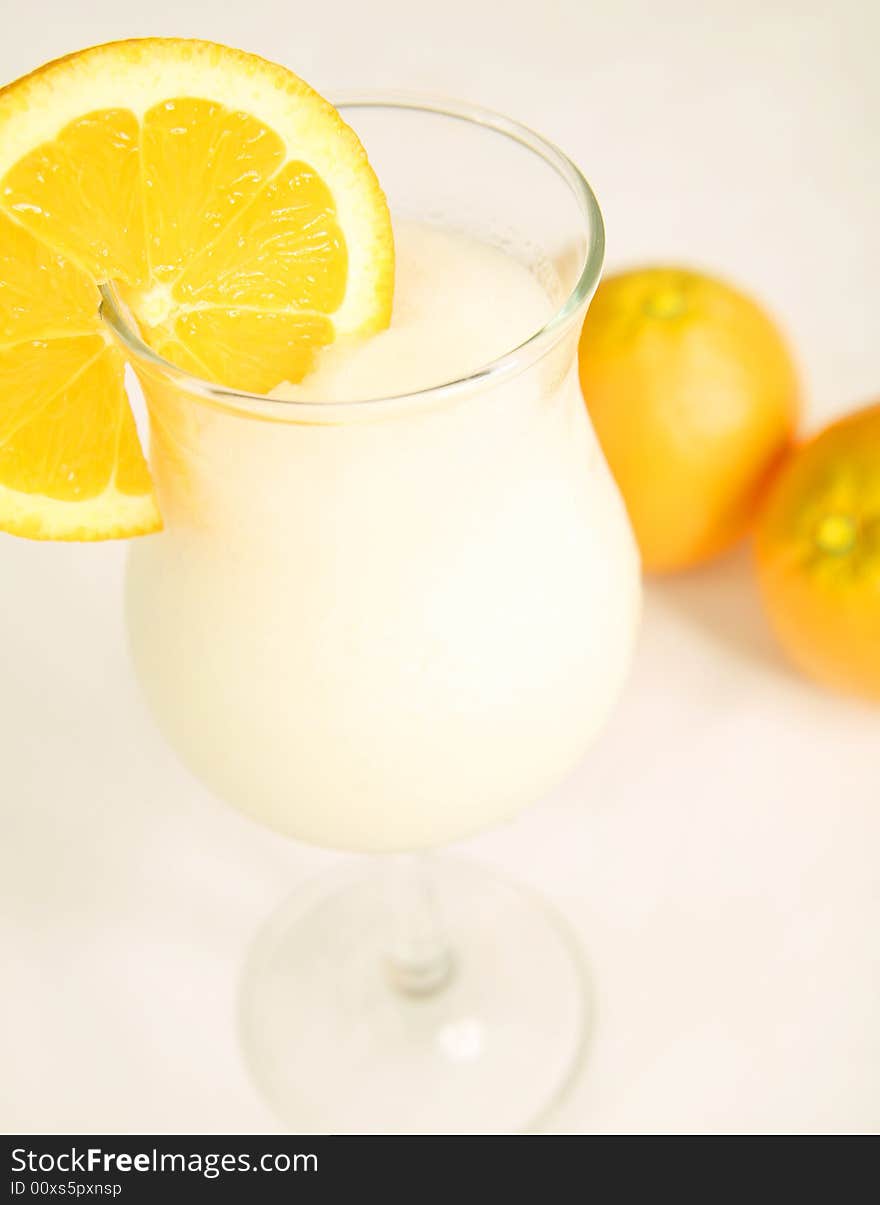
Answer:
(484, 1037)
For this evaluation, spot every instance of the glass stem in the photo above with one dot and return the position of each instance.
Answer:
(419, 959)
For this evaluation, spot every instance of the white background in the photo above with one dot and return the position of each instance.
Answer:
(718, 851)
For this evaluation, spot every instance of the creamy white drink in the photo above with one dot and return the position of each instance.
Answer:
(388, 626)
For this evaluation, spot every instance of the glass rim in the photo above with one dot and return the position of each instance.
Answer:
(508, 364)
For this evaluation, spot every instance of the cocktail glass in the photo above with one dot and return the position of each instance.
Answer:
(383, 625)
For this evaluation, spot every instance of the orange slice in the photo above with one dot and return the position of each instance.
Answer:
(230, 205)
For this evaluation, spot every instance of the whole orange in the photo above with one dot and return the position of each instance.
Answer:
(818, 554)
(694, 398)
